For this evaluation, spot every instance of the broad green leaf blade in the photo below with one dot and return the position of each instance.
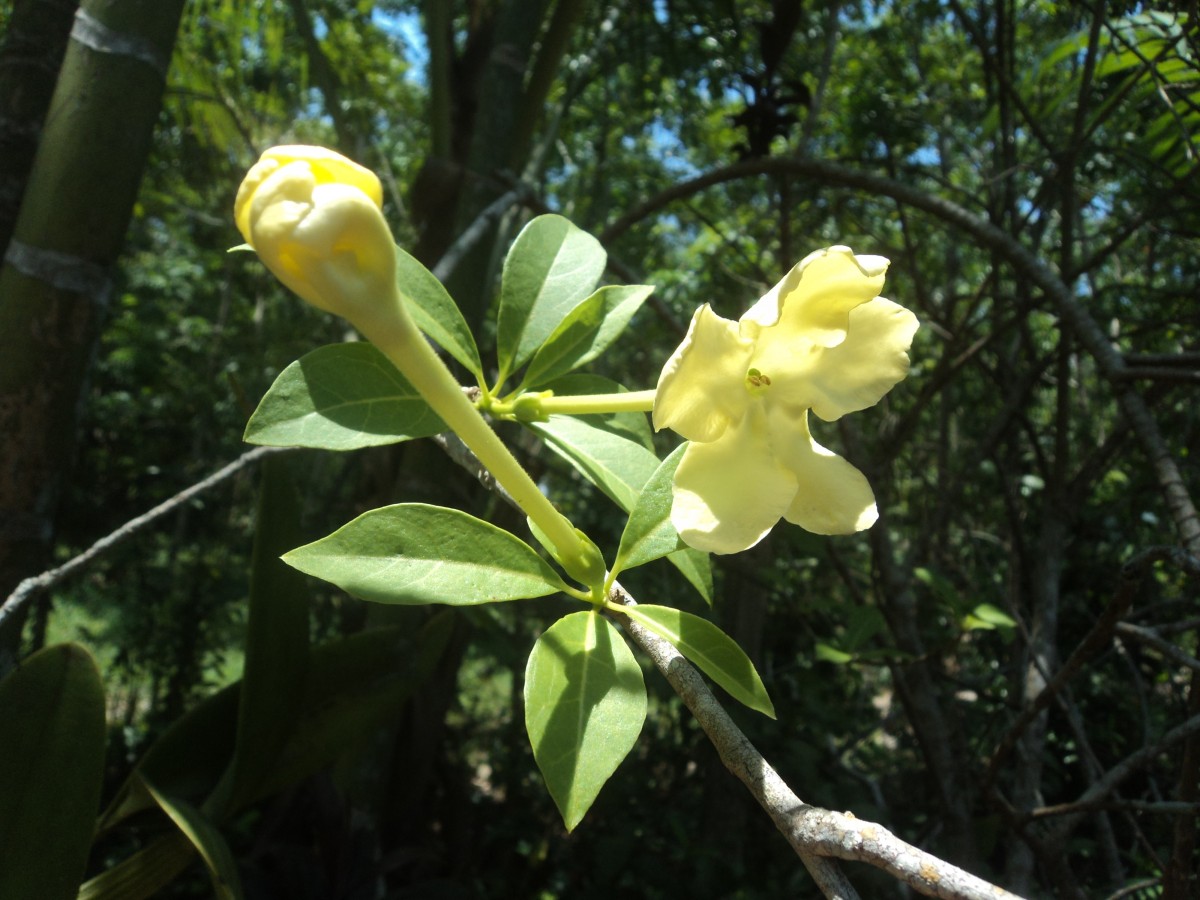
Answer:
(617, 466)
(696, 567)
(987, 617)
(649, 534)
(551, 267)
(585, 702)
(862, 624)
(413, 553)
(586, 332)
(144, 873)
(436, 313)
(276, 638)
(620, 468)
(994, 616)
(341, 397)
(710, 649)
(207, 840)
(52, 710)
(187, 761)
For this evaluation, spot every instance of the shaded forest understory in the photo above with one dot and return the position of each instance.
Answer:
(1002, 671)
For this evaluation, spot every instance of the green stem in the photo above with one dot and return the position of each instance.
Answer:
(397, 336)
(535, 405)
(583, 404)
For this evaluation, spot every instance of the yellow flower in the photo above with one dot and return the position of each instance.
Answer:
(821, 339)
(315, 218)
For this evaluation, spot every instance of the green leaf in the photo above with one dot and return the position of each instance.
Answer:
(986, 617)
(617, 466)
(831, 654)
(696, 567)
(710, 649)
(551, 267)
(649, 534)
(414, 553)
(863, 623)
(436, 313)
(942, 589)
(144, 873)
(186, 761)
(52, 710)
(621, 469)
(354, 686)
(207, 840)
(586, 332)
(585, 703)
(341, 397)
(276, 638)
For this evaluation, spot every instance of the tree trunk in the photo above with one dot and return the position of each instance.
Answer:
(490, 100)
(56, 278)
(30, 58)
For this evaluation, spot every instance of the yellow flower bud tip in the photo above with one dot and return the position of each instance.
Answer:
(326, 166)
(822, 340)
(315, 219)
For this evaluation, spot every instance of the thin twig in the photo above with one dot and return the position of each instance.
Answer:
(475, 232)
(1118, 773)
(1158, 642)
(1164, 807)
(1135, 889)
(1097, 638)
(31, 587)
(1182, 360)
(1159, 373)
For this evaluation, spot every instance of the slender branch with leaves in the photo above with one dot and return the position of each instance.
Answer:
(822, 340)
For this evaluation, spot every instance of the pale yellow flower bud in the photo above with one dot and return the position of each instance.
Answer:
(315, 218)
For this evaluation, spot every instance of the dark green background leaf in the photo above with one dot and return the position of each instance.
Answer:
(51, 764)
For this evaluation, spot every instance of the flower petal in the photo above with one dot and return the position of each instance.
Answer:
(859, 371)
(325, 167)
(259, 173)
(701, 390)
(832, 496)
(329, 167)
(729, 493)
(328, 242)
(813, 301)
